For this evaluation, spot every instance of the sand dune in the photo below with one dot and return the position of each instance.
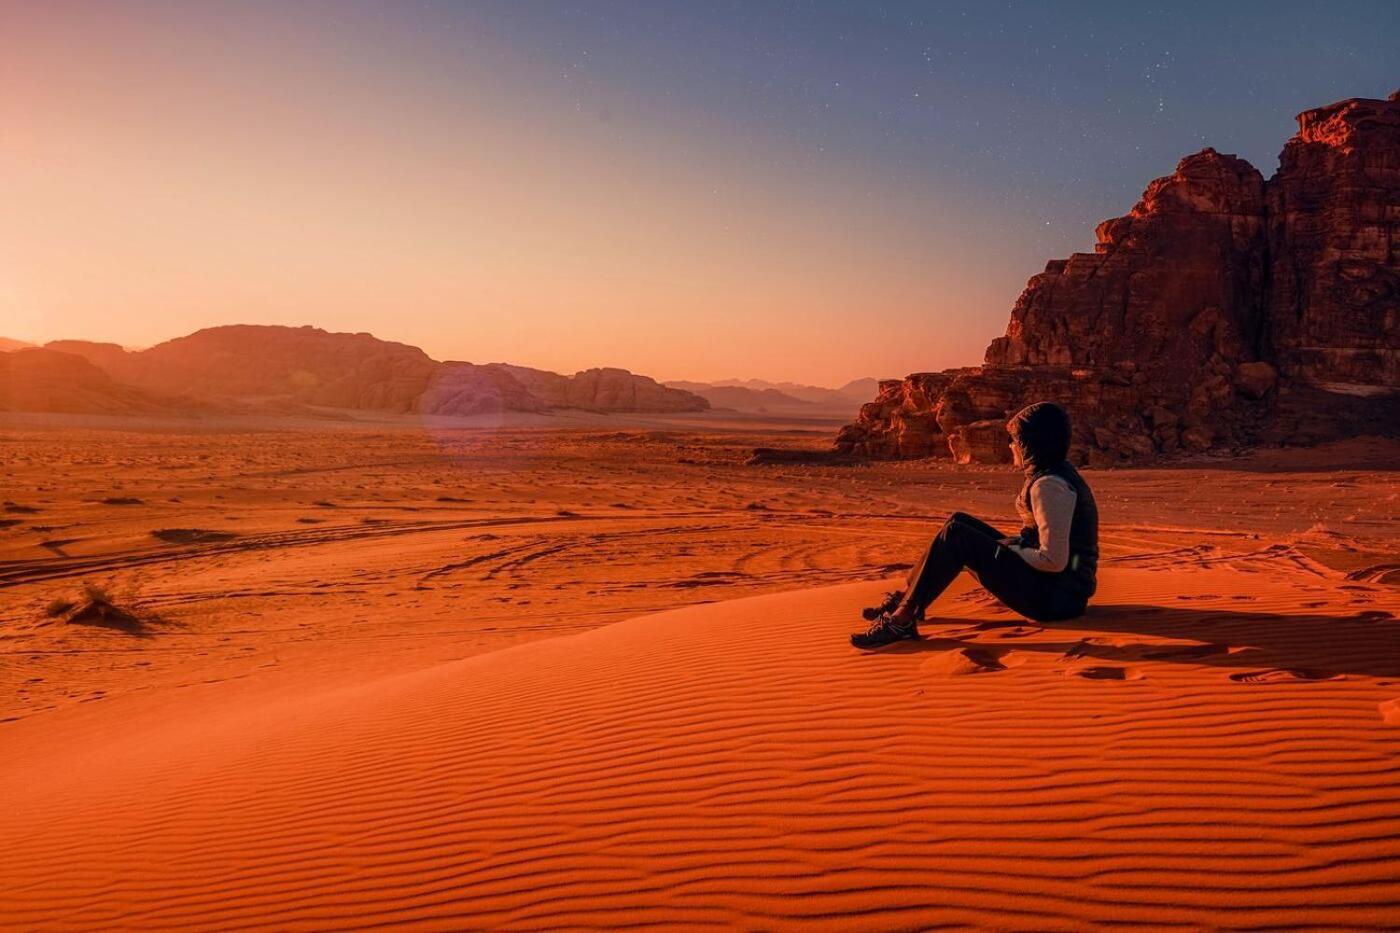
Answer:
(260, 549)
(370, 676)
(1196, 752)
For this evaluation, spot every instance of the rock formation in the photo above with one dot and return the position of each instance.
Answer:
(282, 368)
(456, 388)
(1334, 246)
(605, 389)
(1223, 310)
(40, 379)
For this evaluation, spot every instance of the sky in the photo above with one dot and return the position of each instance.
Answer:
(799, 191)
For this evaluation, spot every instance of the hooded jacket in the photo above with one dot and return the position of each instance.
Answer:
(1043, 433)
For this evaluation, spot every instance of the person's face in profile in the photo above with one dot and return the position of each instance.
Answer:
(1018, 455)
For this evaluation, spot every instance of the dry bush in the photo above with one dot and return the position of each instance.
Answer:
(95, 605)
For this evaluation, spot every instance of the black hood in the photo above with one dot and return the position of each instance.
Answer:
(1043, 432)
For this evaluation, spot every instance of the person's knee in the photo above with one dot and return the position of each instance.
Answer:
(955, 523)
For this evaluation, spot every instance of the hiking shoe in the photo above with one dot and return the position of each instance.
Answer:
(889, 604)
(884, 631)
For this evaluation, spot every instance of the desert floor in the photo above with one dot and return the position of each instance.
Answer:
(376, 677)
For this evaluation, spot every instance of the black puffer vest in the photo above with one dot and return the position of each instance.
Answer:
(1081, 576)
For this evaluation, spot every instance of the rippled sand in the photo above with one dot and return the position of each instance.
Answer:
(325, 711)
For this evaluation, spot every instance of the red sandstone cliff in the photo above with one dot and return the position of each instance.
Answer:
(1334, 246)
(1222, 310)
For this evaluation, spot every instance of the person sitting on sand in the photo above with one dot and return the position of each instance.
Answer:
(1046, 573)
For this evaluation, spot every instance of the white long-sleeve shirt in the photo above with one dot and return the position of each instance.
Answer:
(1051, 511)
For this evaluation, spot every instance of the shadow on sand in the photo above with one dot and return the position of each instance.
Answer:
(1298, 646)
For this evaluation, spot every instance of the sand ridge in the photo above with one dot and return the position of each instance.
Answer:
(737, 765)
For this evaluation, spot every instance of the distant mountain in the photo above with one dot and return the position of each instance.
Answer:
(762, 395)
(7, 344)
(860, 388)
(603, 389)
(281, 368)
(740, 398)
(39, 379)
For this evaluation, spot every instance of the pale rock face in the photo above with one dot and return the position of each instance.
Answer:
(1223, 310)
(466, 389)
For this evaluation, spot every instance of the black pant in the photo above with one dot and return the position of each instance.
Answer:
(966, 542)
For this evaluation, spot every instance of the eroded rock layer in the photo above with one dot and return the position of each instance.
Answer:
(1223, 310)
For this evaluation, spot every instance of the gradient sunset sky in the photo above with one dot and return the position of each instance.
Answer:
(807, 191)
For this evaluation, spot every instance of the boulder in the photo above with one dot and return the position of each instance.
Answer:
(1255, 379)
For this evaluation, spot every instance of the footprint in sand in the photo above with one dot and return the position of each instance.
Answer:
(970, 660)
(1009, 629)
(1282, 674)
(1094, 647)
(1109, 672)
(1021, 631)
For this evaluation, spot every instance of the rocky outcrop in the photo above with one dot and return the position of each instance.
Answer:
(467, 389)
(302, 364)
(1221, 311)
(605, 389)
(40, 379)
(1334, 246)
(1176, 280)
(902, 421)
(280, 368)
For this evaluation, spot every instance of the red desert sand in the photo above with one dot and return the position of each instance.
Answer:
(572, 679)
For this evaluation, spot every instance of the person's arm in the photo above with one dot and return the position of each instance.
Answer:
(1052, 504)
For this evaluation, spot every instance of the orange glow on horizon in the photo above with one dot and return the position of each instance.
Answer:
(192, 171)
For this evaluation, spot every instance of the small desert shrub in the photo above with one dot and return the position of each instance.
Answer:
(94, 605)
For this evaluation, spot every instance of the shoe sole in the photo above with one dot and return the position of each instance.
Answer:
(914, 637)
